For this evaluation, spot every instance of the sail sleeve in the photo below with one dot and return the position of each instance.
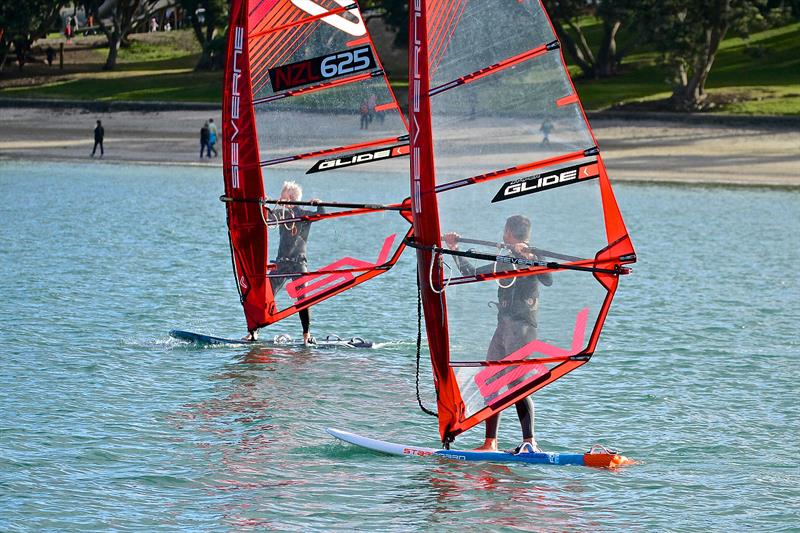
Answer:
(307, 102)
(505, 165)
(242, 175)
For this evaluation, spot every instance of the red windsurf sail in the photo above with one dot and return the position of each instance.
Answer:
(499, 137)
(306, 100)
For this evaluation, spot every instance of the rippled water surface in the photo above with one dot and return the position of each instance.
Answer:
(107, 423)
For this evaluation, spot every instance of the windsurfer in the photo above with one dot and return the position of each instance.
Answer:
(291, 259)
(517, 310)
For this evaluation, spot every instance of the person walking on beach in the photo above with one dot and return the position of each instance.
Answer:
(364, 110)
(212, 138)
(99, 134)
(546, 129)
(205, 133)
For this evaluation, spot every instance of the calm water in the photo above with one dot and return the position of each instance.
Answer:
(106, 423)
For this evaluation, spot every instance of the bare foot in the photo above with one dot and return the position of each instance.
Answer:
(489, 445)
(251, 336)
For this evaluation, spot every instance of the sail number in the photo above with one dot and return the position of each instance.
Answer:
(347, 62)
(323, 68)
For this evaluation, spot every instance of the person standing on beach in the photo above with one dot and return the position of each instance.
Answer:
(212, 138)
(205, 133)
(99, 134)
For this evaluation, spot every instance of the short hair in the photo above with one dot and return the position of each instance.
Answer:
(294, 189)
(519, 226)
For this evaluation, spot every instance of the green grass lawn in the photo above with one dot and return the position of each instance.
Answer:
(758, 75)
(155, 67)
(180, 85)
(761, 75)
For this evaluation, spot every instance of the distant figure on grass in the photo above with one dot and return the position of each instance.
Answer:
(51, 54)
(99, 134)
(212, 137)
(205, 133)
(68, 30)
(153, 24)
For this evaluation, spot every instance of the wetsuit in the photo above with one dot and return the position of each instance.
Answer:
(291, 258)
(517, 310)
(99, 134)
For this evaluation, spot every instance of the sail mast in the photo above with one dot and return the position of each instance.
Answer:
(426, 221)
(242, 174)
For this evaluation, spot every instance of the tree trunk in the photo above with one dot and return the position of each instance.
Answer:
(691, 94)
(572, 49)
(204, 63)
(607, 59)
(114, 42)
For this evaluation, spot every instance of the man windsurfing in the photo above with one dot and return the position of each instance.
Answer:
(517, 310)
(291, 260)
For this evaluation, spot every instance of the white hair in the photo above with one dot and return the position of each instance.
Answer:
(294, 189)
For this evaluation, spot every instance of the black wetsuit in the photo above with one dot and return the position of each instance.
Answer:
(291, 257)
(517, 310)
(99, 134)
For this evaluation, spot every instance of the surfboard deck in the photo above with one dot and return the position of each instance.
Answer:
(331, 341)
(601, 460)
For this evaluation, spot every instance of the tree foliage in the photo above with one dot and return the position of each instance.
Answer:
(605, 57)
(688, 35)
(209, 19)
(394, 13)
(118, 22)
(21, 23)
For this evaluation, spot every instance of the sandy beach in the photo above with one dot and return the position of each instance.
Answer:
(652, 151)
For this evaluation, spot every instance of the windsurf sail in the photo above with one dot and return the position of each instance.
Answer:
(498, 135)
(306, 99)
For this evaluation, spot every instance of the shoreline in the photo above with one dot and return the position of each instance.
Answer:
(109, 106)
(644, 150)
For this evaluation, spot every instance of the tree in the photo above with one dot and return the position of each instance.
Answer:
(688, 34)
(209, 21)
(605, 60)
(118, 20)
(394, 13)
(21, 23)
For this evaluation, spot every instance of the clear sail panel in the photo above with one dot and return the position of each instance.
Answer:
(549, 323)
(355, 113)
(465, 36)
(508, 118)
